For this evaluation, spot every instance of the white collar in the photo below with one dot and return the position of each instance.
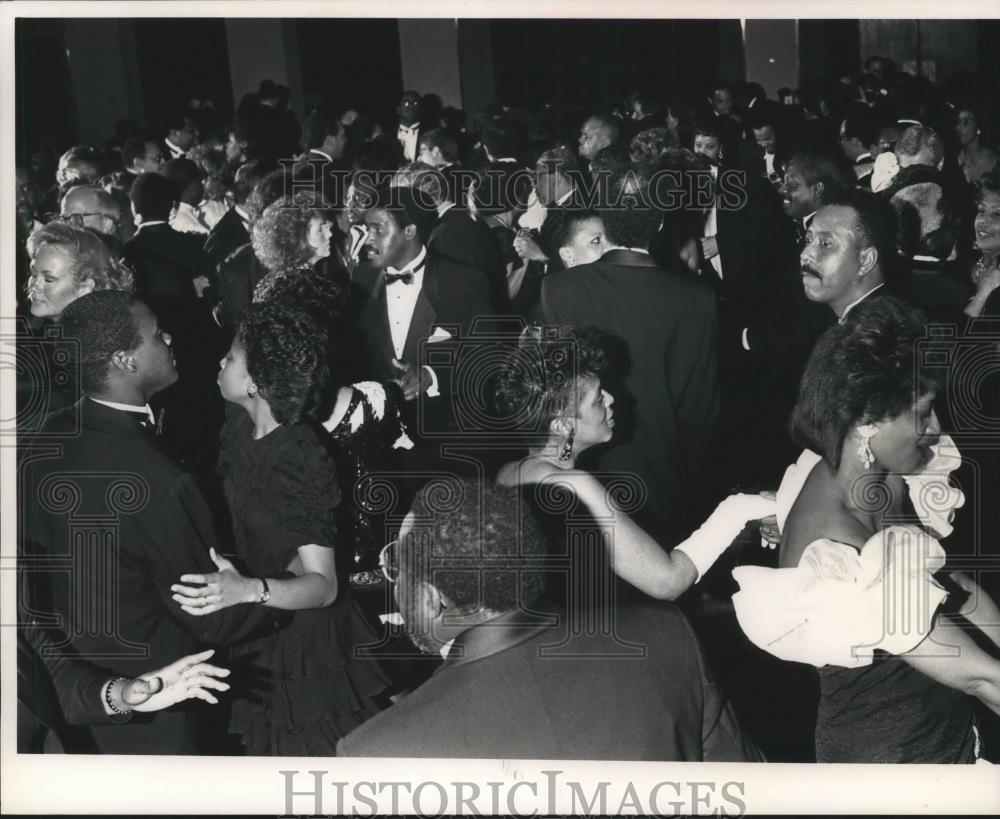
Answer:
(409, 128)
(323, 154)
(141, 225)
(241, 213)
(173, 148)
(623, 247)
(565, 196)
(857, 302)
(866, 156)
(444, 207)
(134, 408)
(808, 218)
(446, 648)
(413, 265)
(505, 159)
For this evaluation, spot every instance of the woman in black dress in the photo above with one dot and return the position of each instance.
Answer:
(282, 490)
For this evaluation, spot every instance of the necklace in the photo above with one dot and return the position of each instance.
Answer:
(981, 267)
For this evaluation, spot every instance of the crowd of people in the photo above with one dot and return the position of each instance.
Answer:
(456, 438)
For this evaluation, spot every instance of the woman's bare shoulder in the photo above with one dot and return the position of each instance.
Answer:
(818, 514)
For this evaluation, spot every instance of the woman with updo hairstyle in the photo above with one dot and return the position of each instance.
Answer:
(550, 391)
(862, 592)
(282, 492)
(985, 274)
(648, 147)
(66, 262)
(977, 155)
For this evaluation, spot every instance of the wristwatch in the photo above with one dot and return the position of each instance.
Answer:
(265, 594)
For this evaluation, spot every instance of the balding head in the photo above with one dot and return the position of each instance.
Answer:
(93, 208)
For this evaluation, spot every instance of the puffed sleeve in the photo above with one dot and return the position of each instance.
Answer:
(306, 492)
(838, 606)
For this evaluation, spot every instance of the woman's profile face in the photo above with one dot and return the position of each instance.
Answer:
(53, 285)
(595, 420)
(902, 445)
(319, 237)
(587, 244)
(234, 380)
(987, 222)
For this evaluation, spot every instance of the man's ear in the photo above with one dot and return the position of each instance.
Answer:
(124, 361)
(818, 188)
(867, 259)
(429, 601)
(410, 232)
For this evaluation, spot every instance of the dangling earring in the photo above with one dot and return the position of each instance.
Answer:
(866, 433)
(567, 450)
(252, 391)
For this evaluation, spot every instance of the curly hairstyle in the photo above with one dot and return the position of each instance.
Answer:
(629, 219)
(648, 146)
(471, 544)
(101, 324)
(988, 183)
(863, 370)
(560, 226)
(288, 358)
(217, 173)
(540, 380)
(281, 235)
(88, 254)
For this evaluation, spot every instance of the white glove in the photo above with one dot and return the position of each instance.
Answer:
(717, 533)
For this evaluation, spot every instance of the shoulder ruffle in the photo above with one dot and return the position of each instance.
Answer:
(838, 606)
(935, 499)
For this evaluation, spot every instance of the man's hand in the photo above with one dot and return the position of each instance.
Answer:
(201, 283)
(413, 380)
(189, 677)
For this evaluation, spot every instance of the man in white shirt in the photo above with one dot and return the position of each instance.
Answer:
(408, 132)
(420, 301)
(180, 137)
(859, 134)
(187, 180)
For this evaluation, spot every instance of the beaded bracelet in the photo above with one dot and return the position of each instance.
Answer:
(107, 697)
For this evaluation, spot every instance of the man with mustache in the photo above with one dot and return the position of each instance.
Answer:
(848, 246)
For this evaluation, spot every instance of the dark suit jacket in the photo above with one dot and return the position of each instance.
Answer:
(122, 523)
(453, 295)
(663, 373)
(238, 276)
(468, 241)
(227, 235)
(165, 261)
(497, 695)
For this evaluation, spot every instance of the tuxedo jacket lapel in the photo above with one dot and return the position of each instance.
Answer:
(424, 316)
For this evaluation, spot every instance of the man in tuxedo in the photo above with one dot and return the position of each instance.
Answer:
(859, 137)
(102, 498)
(325, 138)
(514, 684)
(233, 229)
(408, 131)
(419, 308)
(181, 136)
(172, 271)
(812, 180)
(723, 112)
(141, 156)
(600, 131)
(662, 332)
(769, 159)
(439, 149)
(190, 187)
(455, 232)
(848, 248)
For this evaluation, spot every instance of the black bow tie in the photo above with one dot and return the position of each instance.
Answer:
(405, 278)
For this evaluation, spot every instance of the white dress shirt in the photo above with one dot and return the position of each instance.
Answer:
(712, 227)
(134, 408)
(175, 152)
(401, 301)
(407, 136)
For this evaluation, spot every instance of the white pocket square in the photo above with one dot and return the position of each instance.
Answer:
(439, 334)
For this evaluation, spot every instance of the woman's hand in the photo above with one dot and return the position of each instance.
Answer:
(221, 589)
(527, 248)
(189, 677)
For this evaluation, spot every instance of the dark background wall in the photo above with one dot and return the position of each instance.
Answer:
(166, 62)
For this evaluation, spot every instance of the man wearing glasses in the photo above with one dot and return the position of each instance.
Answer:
(90, 207)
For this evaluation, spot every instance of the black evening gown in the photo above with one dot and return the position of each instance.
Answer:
(304, 688)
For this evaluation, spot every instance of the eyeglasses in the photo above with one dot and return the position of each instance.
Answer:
(77, 218)
(387, 561)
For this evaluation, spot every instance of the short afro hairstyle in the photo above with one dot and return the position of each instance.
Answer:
(875, 222)
(540, 380)
(153, 196)
(288, 357)
(477, 543)
(630, 220)
(101, 324)
(133, 149)
(861, 371)
(406, 207)
(442, 140)
(560, 226)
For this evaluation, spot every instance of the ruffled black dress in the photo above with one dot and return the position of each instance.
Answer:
(304, 688)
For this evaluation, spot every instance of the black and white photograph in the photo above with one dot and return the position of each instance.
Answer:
(483, 408)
